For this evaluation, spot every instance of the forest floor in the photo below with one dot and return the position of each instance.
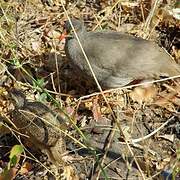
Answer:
(125, 133)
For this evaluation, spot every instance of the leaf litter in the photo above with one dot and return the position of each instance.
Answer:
(31, 51)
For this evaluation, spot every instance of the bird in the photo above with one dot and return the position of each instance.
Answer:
(116, 58)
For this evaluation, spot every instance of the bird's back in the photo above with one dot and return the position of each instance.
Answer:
(121, 57)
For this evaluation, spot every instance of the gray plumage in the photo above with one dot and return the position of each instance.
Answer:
(116, 58)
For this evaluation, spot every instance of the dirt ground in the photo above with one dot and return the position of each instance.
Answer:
(55, 124)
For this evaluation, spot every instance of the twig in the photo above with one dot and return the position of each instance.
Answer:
(130, 86)
(113, 115)
(149, 135)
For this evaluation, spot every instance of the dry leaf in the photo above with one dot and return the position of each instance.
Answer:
(69, 173)
(169, 137)
(25, 168)
(167, 99)
(36, 46)
(161, 165)
(96, 109)
(143, 94)
(126, 132)
(53, 34)
(9, 174)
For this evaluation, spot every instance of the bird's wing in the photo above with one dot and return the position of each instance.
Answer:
(119, 52)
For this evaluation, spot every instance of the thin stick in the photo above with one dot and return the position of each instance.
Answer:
(150, 134)
(116, 123)
(130, 86)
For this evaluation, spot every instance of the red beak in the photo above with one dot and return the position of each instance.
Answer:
(63, 36)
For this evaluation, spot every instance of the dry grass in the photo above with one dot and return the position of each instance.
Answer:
(136, 125)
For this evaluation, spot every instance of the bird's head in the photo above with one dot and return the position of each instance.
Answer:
(70, 27)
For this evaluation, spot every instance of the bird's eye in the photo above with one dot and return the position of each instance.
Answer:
(71, 32)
